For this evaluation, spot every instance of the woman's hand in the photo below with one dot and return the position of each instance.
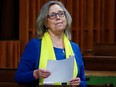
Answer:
(75, 82)
(41, 73)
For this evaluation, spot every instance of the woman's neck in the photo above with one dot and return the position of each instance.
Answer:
(57, 40)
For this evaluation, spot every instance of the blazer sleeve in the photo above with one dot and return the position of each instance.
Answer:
(80, 64)
(24, 73)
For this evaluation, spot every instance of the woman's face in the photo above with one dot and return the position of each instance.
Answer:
(56, 20)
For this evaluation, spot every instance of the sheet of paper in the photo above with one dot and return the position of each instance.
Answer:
(61, 70)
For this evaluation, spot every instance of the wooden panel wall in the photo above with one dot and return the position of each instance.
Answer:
(93, 22)
(9, 54)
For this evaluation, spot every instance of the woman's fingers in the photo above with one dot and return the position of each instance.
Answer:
(41, 73)
(44, 73)
(75, 81)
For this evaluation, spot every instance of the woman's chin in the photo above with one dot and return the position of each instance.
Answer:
(60, 29)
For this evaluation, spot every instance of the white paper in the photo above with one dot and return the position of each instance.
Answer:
(61, 70)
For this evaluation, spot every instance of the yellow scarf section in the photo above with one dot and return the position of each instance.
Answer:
(47, 52)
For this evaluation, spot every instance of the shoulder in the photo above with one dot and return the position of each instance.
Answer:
(34, 42)
(75, 46)
(77, 51)
(32, 48)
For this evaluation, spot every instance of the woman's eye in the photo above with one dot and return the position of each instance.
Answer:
(52, 15)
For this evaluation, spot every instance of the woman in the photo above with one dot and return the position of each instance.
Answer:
(52, 42)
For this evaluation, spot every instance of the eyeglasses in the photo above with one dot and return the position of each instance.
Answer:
(54, 15)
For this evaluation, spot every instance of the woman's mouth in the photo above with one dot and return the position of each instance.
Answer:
(59, 23)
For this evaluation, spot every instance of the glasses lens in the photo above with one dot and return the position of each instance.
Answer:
(61, 13)
(53, 15)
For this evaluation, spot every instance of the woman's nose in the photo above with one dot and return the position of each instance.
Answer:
(57, 16)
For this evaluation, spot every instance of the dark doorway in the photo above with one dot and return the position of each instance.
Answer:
(9, 19)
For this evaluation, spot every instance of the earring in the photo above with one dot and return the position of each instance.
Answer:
(45, 27)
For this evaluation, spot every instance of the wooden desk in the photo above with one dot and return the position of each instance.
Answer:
(100, 70)
(100, 63)
(100, 73)
(7, 78)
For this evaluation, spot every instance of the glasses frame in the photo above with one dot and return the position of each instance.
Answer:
(56, 14)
